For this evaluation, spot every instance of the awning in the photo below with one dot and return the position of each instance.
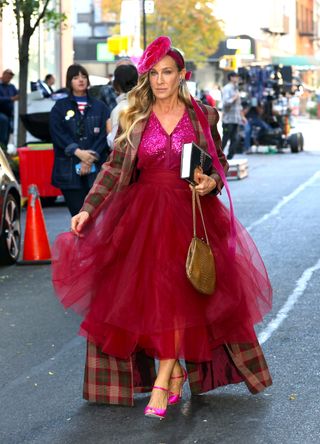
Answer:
(296, 60)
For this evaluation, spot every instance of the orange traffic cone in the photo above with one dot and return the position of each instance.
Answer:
(36, 243)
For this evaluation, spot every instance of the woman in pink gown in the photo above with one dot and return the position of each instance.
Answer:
(123, 267)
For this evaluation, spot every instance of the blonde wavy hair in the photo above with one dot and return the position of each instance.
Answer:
(140, 100)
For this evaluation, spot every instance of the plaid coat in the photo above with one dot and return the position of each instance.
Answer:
(110, 380)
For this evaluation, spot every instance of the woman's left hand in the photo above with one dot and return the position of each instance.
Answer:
(205, 184)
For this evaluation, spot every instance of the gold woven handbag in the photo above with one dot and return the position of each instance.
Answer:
(200, 265)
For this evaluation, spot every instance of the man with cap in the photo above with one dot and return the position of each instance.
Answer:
(232, 115)
(8, 95)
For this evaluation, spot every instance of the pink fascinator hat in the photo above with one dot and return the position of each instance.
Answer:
(158, 49)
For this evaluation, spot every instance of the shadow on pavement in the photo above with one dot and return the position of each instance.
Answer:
(201, 419)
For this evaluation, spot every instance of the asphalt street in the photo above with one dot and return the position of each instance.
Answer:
(42, 357)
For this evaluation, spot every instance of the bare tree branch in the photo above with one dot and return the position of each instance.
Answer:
(41, 15)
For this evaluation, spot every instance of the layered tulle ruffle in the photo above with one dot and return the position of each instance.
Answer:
(127, 278)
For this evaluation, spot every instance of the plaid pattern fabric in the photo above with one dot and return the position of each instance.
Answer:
(106, 180)
(110, 380)
(218, 372)
(231, 364)
(107, 380)
(117, 172)
(251, 363)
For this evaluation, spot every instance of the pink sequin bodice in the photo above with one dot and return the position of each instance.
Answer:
(160, 150)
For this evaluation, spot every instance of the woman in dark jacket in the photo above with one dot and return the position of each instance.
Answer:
(78, 131)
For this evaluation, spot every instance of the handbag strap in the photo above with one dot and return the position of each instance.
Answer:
(196, 199)
(216, 163)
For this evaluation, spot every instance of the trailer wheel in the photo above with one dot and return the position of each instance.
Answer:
(296, 142)
(301, 141)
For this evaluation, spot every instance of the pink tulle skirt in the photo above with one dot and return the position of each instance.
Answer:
(127, 277)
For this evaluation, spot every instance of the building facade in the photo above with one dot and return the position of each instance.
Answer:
(284, 32)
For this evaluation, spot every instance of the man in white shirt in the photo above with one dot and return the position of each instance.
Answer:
(46, 85)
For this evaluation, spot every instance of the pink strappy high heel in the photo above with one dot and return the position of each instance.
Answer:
(173, 397)
(154, 412)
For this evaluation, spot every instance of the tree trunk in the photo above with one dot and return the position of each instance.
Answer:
(23, 82)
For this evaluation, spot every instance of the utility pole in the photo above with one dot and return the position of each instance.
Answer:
(144, 24)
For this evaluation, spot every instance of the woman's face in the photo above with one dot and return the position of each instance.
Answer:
(79, 84)
(165, 78)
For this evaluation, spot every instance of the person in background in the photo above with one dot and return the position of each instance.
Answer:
(125, 78)
(8, 95)
(253, 115)
(78, 131)
(203, 97)
(232, 115)
(108, 96)
(45, 86)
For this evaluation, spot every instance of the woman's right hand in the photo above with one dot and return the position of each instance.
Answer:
(78, 221)
(85, 169)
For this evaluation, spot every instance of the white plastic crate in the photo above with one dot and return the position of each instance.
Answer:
(238, 169)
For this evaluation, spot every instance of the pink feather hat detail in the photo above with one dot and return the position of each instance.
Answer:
(154, 52)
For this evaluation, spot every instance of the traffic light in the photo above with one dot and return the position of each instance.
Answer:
(117, 44)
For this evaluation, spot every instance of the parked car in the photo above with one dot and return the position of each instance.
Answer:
(10, 227)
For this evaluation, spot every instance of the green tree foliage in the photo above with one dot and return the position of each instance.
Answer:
(108, 6)
(29, 14)
(190, 24)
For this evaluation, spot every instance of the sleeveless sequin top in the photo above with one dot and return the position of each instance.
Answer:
(161, 150)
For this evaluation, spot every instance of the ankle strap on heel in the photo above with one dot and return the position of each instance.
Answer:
(160, 388)
(184, 375)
